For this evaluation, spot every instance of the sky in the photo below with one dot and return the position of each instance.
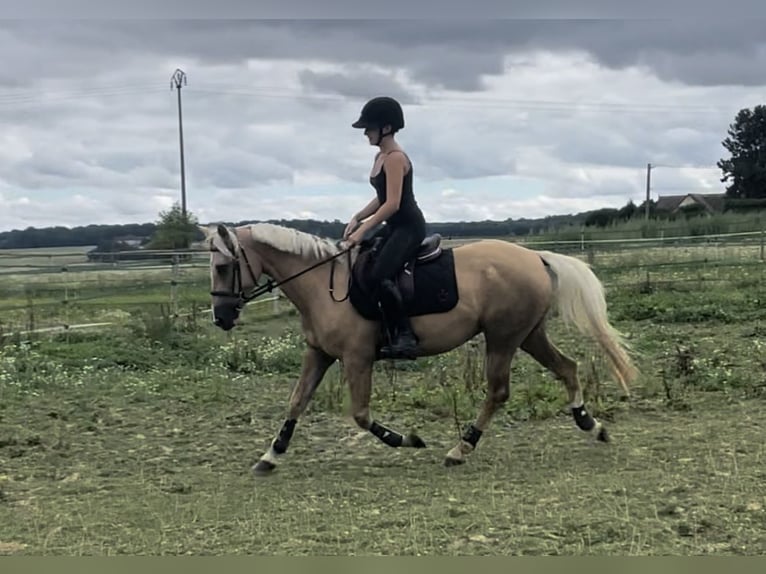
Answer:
(504, 118)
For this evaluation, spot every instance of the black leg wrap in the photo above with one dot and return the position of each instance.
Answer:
(472, 435)
(284, 436)
(389, 437)
(583, 418)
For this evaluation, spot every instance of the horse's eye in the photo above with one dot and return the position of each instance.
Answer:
(221, 268)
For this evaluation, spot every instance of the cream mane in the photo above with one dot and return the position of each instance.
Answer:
(291, 240)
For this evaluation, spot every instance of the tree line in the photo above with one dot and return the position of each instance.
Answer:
(170, 232)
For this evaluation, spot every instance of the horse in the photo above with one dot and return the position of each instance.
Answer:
(497, 288)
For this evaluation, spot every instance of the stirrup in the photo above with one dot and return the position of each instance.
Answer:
(388, 353)
(398, 350)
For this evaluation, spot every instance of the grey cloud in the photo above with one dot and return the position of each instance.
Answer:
(44, 170)
(441, 157)
(709, 68)
(626, 142)
(359, 84)
(462, 71)
(127, 160)
(354, 9)
(239, 171)
(448, 53)
(611, 186)
(60, 49)
(155, 177)
(672, 48)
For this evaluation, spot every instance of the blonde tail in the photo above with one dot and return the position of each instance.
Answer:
(580, 300)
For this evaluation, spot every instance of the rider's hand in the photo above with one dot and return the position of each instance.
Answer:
(356, 237)
(352, 225)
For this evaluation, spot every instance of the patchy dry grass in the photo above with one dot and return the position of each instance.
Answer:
(129, 458)
(110, 474)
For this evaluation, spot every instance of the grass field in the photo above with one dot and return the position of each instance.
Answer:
(138, 438)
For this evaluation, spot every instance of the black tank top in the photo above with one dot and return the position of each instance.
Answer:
(409, 213)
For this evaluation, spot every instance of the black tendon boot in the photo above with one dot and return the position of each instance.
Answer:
(404, 343)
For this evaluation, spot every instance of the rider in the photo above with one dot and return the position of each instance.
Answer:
(394, 203)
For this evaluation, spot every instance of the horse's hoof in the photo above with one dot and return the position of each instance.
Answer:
(415, 441)
(602, 435)
(263, 468)
(450, 462)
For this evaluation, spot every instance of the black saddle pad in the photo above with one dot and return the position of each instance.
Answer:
(435, 289)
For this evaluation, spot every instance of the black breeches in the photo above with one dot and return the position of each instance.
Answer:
(399, 246)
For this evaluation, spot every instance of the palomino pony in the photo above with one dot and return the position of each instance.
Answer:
(497, 288)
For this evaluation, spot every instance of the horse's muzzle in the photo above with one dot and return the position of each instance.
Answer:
(225, 325)
(225, 317)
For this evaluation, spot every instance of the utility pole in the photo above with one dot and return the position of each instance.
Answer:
(179, 78)
(648, 187)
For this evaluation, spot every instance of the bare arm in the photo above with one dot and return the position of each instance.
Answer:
(367, 210)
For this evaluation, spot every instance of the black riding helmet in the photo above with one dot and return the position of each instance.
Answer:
(379, 112)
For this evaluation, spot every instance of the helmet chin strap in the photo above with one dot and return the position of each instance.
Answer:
(381, 135)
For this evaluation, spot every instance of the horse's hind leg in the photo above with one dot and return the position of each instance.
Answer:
(540, 347)
(500, 352)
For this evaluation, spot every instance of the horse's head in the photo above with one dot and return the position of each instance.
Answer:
(232, 274)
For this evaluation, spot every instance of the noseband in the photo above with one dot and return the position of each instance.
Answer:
(237, 291)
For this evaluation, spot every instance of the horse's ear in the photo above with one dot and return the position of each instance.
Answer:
(227, 237)
(204, 230)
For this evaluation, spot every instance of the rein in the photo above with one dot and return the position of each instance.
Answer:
(270, 284)
(332, 279)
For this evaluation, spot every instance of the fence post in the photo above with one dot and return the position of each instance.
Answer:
(275, 303)
(763, 238)
(174, 286)
(65, 274)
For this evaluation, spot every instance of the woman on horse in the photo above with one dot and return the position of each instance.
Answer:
(394, 204)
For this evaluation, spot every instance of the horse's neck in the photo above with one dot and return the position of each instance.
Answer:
(302, 291)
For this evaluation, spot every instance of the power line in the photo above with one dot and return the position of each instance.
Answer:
(43, 96)
(281, 93)
(485, 102)
(685, 166)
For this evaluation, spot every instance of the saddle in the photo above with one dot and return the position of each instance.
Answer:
(426, 282)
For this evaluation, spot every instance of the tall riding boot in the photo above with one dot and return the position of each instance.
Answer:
(404, 343)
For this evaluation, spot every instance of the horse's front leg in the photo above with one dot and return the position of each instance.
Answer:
(315, 365)
(358, 373)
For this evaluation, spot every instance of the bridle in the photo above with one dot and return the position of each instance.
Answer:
(238, 292)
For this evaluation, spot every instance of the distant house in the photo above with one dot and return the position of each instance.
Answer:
(709, 202)
(131, 240)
